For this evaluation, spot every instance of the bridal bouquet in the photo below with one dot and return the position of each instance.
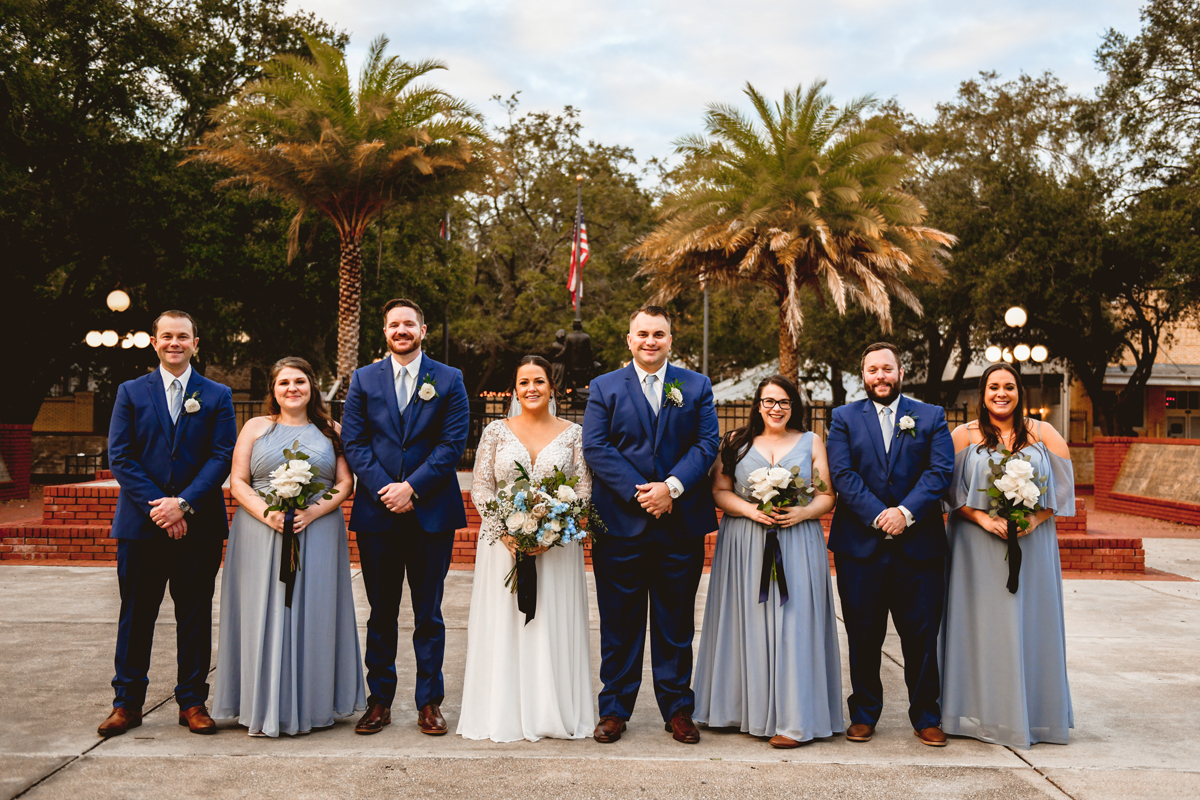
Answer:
(1014, 492)
(773, 488)
(293, 486)
(538, 513)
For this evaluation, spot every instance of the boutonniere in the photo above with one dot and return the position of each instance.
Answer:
(907, 424)
(192, 404)
(428, 391)
(673, 393)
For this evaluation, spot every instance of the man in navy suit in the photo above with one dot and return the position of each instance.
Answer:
(404, 429)
(170, 446)
(891, 458)
(650, 435)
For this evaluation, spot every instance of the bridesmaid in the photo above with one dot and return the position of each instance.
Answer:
(1004, 663)
(771, 668)
(280, 669)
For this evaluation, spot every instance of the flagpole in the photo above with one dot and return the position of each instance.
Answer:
(704, 363)
(575, 251)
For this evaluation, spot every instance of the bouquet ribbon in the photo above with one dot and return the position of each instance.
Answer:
(1014, 557)
(772, 558)
(526, 578)
(287, 568)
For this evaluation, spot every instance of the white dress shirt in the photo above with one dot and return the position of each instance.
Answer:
(675, 485)
(889, 441)
(414, 370)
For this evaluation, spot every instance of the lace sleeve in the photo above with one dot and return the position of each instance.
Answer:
(584, 487)
(483, 478)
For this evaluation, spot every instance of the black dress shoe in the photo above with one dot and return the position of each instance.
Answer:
(682, 728)
(373, 721)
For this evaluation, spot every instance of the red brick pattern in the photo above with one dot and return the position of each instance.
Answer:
(16, 448)
(1110, 457)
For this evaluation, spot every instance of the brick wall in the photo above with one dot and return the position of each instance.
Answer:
(1110, 456)
(15, 451)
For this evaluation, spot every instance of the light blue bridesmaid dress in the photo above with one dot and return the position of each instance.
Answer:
(769, 668)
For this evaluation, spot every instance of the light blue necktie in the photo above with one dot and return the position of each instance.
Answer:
(651, 394)
(176, 400)
(885, 421)
(402, 390)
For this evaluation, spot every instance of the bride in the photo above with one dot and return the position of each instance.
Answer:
(528, 681)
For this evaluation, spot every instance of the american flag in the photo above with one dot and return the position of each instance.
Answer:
(575, 276)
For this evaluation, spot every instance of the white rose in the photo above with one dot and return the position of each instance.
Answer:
(566, 494)
(759, 475)
(298, 465)
(549, 538)
(1006, 483)
(907, 423)
(301, 476)
(538, 511)
(768, 496)
(530, 525)
(1019, 469)
(676, 396)
(427, 392)
(191, 405)
(286, 489)
(555, 525)
(515, 520)
(779, 476)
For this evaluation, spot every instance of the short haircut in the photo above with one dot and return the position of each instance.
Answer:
(400, 302)
(880, 346)
(176, 315)
(652, 311)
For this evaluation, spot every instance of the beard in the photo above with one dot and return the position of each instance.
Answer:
(893, 392)
(405, 346)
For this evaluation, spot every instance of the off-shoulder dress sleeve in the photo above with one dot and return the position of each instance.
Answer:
(1060, 489)
(959, 493)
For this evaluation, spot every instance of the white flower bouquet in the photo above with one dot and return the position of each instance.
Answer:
(293, 486)
(1014, 492)
(775, 488)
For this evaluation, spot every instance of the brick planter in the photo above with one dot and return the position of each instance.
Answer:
(16, 448)
(1111, 452)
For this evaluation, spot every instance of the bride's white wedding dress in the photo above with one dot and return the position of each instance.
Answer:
(527, 681)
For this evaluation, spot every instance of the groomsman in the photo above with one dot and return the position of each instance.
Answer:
(170, 445)
(404, 429)
(891, 458)
(650, 435)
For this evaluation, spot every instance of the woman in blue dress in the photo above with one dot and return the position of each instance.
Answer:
(769, 664)
(1004, 663)
(288, 668)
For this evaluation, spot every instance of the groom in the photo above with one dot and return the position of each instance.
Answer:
(649, 435)
(891, 459)
(404, 429)
(170, 446)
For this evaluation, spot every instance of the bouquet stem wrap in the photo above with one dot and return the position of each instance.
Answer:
(287, 555)
(526, 578)
(1013, 556)
(772, 563)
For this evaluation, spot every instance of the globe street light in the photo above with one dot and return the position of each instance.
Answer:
(1008, 356)
(993, 354)
(117, 300)
(1021, 352)
(141, 340)
(1039, 353)
(109, 338)
(1015, 317)
(94, 339)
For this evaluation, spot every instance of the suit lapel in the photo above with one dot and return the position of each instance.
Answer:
(387, 385)
(416, 405)
(874, 432)
(158, 398)
(638, 398)
(664, 407)
(898, 436)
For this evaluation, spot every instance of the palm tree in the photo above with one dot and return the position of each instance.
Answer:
(303, 134)
(805, 197)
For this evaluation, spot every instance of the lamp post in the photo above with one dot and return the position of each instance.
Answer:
(117, 301)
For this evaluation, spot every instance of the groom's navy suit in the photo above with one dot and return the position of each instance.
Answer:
(153, 458)
(423, 448)
(904, 575)
(642, 561)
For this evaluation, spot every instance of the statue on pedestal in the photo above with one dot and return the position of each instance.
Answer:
(580, 364)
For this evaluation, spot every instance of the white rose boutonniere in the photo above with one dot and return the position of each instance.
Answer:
(428, 391)
(907, 424)
(192, 404)
(673, 393)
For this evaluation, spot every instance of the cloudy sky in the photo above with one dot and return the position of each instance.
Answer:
(642, 71)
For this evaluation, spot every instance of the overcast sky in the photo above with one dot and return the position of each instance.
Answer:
(642, 71)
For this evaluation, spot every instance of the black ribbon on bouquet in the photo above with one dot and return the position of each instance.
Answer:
(1014, 557)
(526, 586)
(286, 573)
(772, 557)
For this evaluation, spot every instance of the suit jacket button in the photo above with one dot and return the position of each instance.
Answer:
(889, 483)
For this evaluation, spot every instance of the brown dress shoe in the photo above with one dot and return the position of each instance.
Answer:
(860, 732)
(119, 721)
(197, 720)
(430, 720)
(932, 736)
(682, 728)
(373, 721)
(609, 730)
(783, 742)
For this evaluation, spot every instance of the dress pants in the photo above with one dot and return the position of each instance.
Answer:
(913, 591)
(145, 567)
(386, 557)
(658, 570)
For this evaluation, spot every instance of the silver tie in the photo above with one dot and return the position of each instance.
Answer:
(885, 423)
(402, 390)
(651, 394)
(175, 401)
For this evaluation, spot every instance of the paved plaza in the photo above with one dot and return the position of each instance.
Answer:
(1132, 649)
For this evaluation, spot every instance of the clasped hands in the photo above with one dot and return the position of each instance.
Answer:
(891, 521)
(655, 498)
(166, 514)
(397, 497)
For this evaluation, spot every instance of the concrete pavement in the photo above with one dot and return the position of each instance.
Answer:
(1132, 652)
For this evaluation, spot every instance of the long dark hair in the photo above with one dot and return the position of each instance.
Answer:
(738, 441)
(318, 412)
(536, 361)
(991, 436)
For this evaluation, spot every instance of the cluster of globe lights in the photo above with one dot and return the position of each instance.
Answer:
(1015, 317)
(118, 301)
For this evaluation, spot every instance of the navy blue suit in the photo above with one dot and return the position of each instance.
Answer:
(642, 561)
(153, 458)
(905, 575)
(423, 448)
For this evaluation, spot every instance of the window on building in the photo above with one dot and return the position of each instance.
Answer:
(1183, 400)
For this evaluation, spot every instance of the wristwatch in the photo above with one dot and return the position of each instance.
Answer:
(185, 506)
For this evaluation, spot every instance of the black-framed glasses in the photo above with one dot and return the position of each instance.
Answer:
(771, 402)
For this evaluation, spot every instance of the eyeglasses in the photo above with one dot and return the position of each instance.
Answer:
(771, 402)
